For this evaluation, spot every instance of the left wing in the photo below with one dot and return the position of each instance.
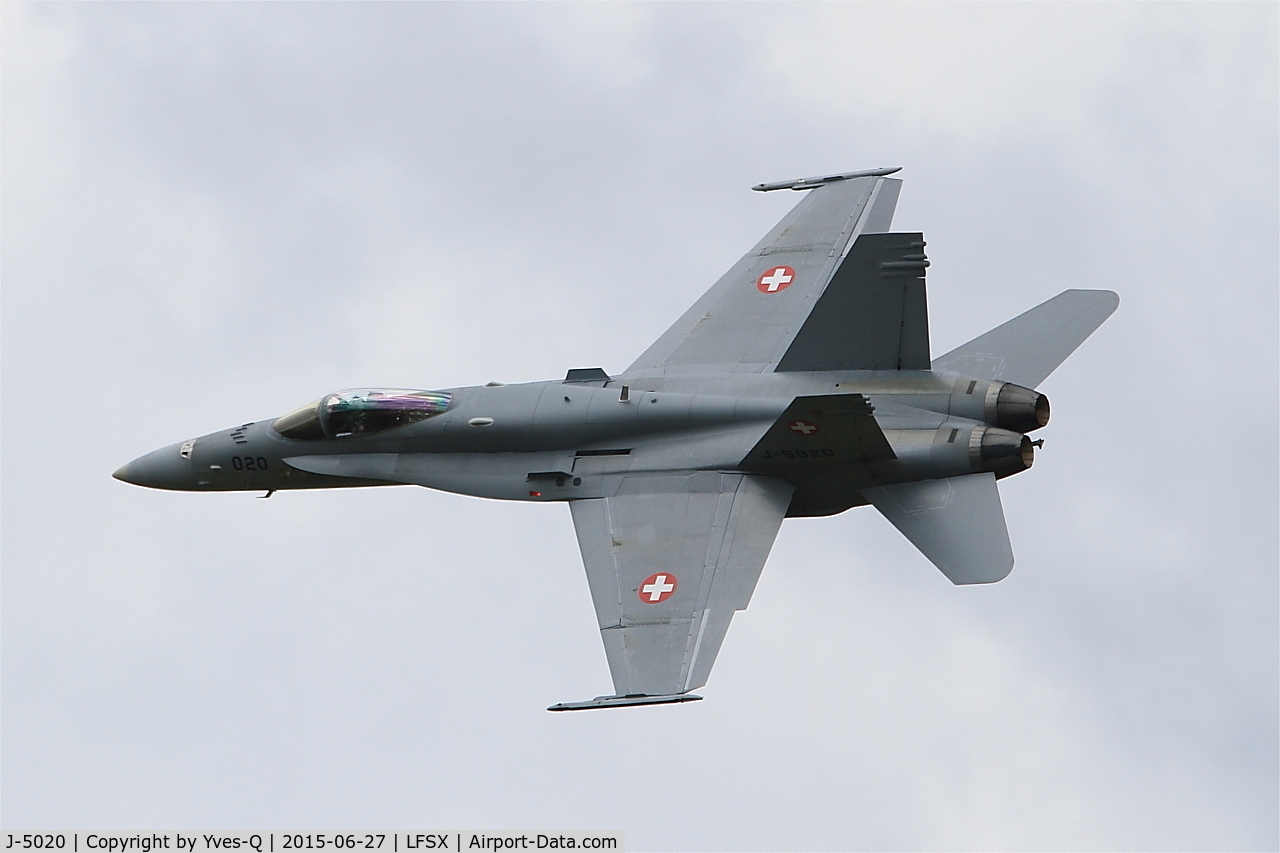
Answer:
(670, 558)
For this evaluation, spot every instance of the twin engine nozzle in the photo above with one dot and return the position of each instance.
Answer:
(1004, 449)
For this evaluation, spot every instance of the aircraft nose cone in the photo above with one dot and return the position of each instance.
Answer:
(160, 469)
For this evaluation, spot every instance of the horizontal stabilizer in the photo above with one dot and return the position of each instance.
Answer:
(956, 522)
(624, 701)
(1029, 347)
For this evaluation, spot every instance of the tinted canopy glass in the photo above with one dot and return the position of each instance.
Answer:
(362, 411)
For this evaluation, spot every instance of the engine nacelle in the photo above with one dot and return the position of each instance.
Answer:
(1001, 404)
(956, 449)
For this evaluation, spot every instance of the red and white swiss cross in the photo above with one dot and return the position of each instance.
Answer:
(803, 427)
(657, 588)
(775, 279)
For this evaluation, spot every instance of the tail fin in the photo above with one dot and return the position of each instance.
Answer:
(1029, 347)
(958, 523)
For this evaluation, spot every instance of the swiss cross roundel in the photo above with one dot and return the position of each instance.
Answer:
(657, 588)
(803, 427)
(775, 279)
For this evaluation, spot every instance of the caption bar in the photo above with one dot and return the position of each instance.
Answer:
(288, 842)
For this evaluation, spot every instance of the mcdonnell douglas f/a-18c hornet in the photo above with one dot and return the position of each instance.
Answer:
(801, 384)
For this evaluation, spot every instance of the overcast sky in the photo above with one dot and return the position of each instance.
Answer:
(213, 213)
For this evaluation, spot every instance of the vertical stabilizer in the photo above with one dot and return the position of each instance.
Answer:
(957, 522)
(873, 314)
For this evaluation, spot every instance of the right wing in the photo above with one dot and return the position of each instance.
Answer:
(748, 319)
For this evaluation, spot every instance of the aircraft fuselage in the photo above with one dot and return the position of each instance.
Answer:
(558, 440)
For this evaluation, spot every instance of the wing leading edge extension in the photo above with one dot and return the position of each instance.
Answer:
(670, 558)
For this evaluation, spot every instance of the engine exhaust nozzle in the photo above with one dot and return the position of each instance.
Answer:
(1000, 451)
(1016, 408)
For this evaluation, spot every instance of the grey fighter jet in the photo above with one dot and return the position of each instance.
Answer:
(801, 384)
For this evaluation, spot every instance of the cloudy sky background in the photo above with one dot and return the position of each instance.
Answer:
(213, 213)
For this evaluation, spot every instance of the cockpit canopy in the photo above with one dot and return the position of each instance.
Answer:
(362, 411)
